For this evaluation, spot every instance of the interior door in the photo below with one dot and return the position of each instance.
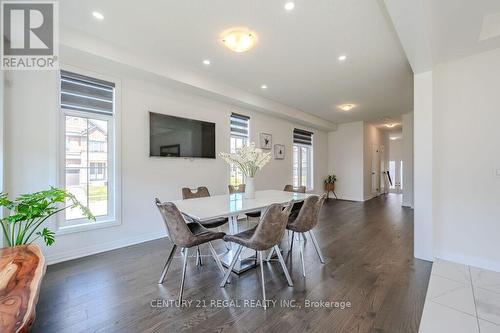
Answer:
(375, 169)
(396, 173)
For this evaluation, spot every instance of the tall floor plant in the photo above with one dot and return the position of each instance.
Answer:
(29, 212)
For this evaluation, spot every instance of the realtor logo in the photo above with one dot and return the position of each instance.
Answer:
(30, 33)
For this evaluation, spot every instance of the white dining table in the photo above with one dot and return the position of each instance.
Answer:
(232, 206)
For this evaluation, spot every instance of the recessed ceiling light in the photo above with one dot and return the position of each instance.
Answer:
(343, 57)
(206, 62)
(346, 107)
(393, 138)
(239, 39)
(98, 15)
(289, 5)
(263, 86)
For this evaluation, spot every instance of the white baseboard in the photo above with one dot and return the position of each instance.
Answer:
(470, 261)
(347, 198)
(90, 250)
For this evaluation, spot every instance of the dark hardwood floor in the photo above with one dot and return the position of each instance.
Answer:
(368, 248)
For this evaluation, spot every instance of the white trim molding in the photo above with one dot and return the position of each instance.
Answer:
(102, 247)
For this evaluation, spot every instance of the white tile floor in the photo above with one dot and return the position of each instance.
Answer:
(461, 299)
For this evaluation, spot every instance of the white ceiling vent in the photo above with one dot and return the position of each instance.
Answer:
(491, 26)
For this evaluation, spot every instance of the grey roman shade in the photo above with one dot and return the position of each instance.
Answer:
(239, 125)
(83, 93)
(302, 137)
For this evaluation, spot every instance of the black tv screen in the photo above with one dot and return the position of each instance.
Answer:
(171, 136)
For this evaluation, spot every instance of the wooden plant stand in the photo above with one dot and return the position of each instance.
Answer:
(330, 188)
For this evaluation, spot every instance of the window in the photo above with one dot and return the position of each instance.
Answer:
(88, 120)
(238, 138)
(302, 159)
(97, 171)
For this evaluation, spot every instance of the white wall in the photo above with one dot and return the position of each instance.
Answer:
(396, 150)
(423, 166)
(345, 157)
(467, 160)
(408, 160)
(31, 140)
(372, 136)
(2, 100)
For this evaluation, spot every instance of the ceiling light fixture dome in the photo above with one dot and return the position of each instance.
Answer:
(289, 5)
(346, 107)
(98, 15)
(239, 39)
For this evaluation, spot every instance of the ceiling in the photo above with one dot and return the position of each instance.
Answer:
(296, 55)
(435, 31)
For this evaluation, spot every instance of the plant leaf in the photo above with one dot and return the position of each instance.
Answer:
(47, 235)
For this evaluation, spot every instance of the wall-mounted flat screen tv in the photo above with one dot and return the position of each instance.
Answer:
(171, 136)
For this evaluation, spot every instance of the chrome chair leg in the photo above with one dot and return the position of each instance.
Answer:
(270, 255)
(183, 278)
(167, 264)
(198, 257)
(216, 258)
(283, 266)
(316, 246)
(301, 249)
(262, 278)
(230, 268)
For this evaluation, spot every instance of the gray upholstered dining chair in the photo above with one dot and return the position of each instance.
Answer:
(185, 235)
(305, 221)
(266, 235)
(297, 189)
(241, 189)
(296, 205)
(202, 192)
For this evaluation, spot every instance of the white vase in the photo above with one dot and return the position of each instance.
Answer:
(249, 188)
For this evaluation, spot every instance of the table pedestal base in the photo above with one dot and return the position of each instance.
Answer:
(246, 261)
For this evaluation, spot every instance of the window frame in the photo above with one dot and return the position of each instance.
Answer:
(113, 170)
(246, 141)
(310, 163)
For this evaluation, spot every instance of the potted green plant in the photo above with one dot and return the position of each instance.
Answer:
(330, 183)
(29, 212)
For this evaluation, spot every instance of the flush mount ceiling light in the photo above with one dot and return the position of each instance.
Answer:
(263, 87)
(98, 16)
(289, 5)
(346, 107)
(342, 57)
(391, 125)
(239, 39)
(206, 62)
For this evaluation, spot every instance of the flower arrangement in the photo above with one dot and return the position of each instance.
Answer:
(30, 211)
(331, 179)
(248, 159)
